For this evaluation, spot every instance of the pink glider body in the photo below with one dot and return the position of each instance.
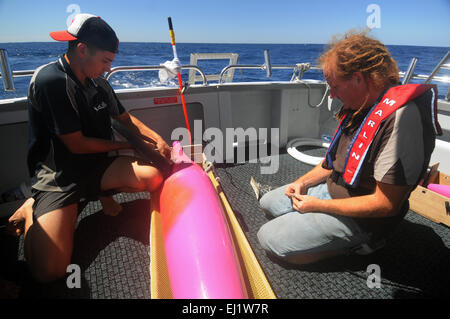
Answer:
(199, 250)
(440, 189)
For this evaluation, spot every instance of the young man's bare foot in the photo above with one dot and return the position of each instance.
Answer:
(110, 206)
(17, 220)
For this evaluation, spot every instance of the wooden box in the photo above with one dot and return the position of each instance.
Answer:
(429, 204)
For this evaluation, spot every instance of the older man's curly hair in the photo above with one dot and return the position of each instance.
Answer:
(357, 52)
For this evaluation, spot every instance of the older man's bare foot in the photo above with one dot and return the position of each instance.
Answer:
(110, 206)
(17, 220)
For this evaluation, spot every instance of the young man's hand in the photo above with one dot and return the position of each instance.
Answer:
(164, 149)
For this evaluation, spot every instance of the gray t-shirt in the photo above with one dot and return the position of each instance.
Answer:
(398, 155)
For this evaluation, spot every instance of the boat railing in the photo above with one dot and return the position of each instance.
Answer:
(264, 67)
(443, 79)
(410, 71)
(409, 74)
(441, 65)
(154, 68)
(299, 69)
(7, 74)
(8, 81)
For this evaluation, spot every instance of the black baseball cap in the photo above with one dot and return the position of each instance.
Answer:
(89, 29)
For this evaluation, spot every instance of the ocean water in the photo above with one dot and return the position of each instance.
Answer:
(29, 56)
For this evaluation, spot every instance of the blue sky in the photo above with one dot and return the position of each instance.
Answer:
(405, 22)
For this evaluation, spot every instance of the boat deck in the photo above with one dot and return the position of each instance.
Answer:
(113, 252)
(414, 263)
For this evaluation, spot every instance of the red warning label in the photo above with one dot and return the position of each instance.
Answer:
(165, 100)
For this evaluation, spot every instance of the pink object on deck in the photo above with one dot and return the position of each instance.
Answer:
(199, 250)
(440, 189)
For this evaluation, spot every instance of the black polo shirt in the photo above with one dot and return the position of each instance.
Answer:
(59, 104)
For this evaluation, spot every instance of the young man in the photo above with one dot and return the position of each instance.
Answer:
(70, 110)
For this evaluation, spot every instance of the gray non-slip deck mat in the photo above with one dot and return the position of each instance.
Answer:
(112, 253)
(414, 263)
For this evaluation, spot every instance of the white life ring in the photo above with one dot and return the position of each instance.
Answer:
(304, 158)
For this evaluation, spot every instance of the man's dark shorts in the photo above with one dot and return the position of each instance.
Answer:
(89, 188)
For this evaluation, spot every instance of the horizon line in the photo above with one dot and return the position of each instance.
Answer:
(251, 43)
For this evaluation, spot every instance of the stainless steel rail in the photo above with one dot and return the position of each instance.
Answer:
(8, 80)
(410, 72)
(443, 79)
(438, 67)
(21, 73)
(153, 68)
(260, 67)
(10, 75)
